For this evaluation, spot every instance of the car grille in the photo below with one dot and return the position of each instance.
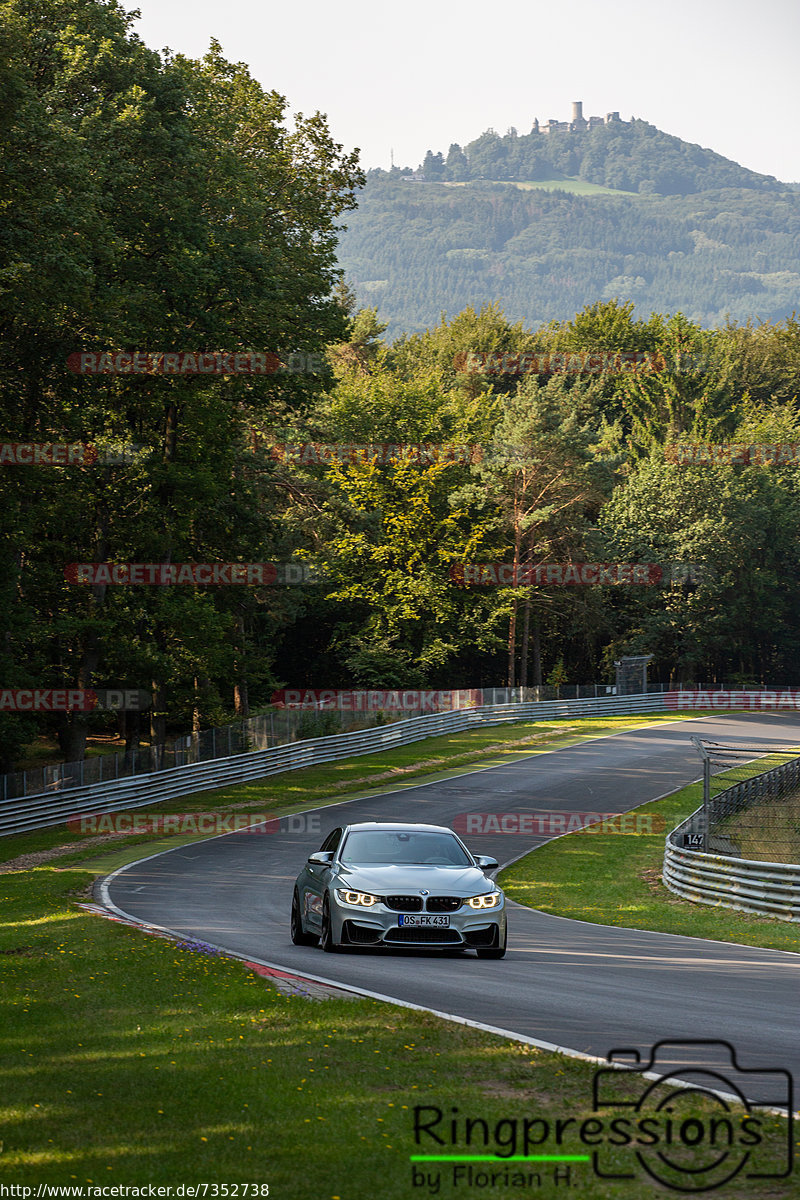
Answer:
(447, 936)
(403, 903)
(443, 904)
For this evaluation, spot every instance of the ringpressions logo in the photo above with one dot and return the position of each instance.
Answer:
(687, 1117)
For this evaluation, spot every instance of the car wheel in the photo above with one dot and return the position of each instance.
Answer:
(326, 936)
(494, 951)
(299, 935)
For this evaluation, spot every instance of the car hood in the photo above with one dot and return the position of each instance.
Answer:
(440, 881)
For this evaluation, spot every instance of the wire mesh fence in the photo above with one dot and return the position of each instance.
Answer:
(275, 727)
(751, 802)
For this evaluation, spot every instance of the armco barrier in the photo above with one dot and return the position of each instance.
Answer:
(39, 812)
(771, 889)
(768, 888)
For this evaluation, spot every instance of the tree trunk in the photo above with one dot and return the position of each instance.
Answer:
(196, 708)
(512, 624)
(241, 697)
(74, 728)
(512, 645)
(537, 653)
(526, 629)
(131, 728)
(171, 433)
(241, 701)
(158, 718)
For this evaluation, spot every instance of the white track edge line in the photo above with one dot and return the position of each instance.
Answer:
(542, 1045)
(354, 799)
(496, 1030)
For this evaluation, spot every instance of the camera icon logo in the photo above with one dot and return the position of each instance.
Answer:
(700, 1120)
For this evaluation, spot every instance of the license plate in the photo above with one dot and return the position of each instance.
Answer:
(422, 922)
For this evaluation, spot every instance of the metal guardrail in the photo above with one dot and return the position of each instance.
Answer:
(55, 808)
(770, 889)
(275, 727)
(767, 888)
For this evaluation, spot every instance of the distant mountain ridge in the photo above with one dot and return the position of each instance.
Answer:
(630, 156)
(699, 234)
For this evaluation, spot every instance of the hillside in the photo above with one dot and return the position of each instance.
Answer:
(631, 156)
(570, 218)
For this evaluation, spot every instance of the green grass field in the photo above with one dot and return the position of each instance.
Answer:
(578, 187)
(128, 1060)
(615, 879)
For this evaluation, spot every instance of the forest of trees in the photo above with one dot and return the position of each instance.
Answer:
(416, 250)
(160, 204)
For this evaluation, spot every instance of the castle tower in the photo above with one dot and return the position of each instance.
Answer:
(578, 123)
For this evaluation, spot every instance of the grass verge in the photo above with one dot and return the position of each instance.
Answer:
(128, 1060)
(614, 879)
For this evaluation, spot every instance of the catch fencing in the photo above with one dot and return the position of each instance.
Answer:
(275, 727)
(741, 849)
(54, 808)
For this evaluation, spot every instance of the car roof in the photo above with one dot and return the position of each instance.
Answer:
(394, 826)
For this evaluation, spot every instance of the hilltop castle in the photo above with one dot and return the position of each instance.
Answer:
(578, 124)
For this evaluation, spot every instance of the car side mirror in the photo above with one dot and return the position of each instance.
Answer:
(321, 858)
(486, 862)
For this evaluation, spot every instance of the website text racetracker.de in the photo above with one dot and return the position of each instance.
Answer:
(183, 362)
(204, 824)
(94, 1191)
(555, 574)
(556, 823)
(191, 574)
(408, 700)
(592, 362)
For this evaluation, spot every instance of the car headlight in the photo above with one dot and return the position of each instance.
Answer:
(487, 900)
(363, 898)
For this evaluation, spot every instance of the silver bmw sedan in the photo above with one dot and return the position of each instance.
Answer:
(383, 883)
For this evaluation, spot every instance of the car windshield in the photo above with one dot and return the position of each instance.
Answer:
(402, 847)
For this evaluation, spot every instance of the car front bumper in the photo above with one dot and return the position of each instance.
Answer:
(378, 926)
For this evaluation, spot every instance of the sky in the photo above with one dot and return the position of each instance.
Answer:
(418, 75)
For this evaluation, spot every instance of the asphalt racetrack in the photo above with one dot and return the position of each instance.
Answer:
(586, 988)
